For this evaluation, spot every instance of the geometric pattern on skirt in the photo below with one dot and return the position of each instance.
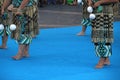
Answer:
(103, 50)
(6, 31)
(27, 24)
(86, 22)
(4, 19)
(24, 39)
(21, 34)
(102, 28)
(85, 13)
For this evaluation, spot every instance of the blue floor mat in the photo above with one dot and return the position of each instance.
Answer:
(58, 54)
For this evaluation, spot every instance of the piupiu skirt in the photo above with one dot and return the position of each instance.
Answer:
(27, 25)
(85, 21)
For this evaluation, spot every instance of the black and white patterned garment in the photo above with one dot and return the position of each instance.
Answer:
(102, 30)
(103, 49)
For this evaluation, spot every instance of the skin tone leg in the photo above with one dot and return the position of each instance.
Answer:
(20, 53)
(100, 63)
(64, 1)
(4, 42)
(26, 51)
(75, 2)
(23, 51)
(82, 33)
(107, 61)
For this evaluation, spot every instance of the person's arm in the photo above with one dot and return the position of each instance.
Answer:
(23, 4)
(108, 1)
(90, 3)
(21, 7)
(104, 2)
(6, 3)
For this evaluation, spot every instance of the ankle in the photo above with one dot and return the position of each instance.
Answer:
(3, 46)
(26, 55)
(100, 63)
(107, 61)
(17, 57)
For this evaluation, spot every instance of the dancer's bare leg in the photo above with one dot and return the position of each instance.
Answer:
(74, 3)
(82, 33)
(107, 61)
(64, 2)
(19, 55)
(26, 51)
(100, 63)
(4, 42)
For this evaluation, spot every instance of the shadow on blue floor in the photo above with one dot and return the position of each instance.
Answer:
(58, 54)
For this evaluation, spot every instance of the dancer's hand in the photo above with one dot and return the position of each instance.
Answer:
(97, 4)
(90, 3)
(19, 12)
(10, 7)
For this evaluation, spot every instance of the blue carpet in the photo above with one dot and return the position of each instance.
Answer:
(58, 54)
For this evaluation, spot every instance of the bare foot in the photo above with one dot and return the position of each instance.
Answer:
(107, 61)
(81, 34)
(17, 57)
(26, 55)
(100, 63)
(98, 66)
(3, 47)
